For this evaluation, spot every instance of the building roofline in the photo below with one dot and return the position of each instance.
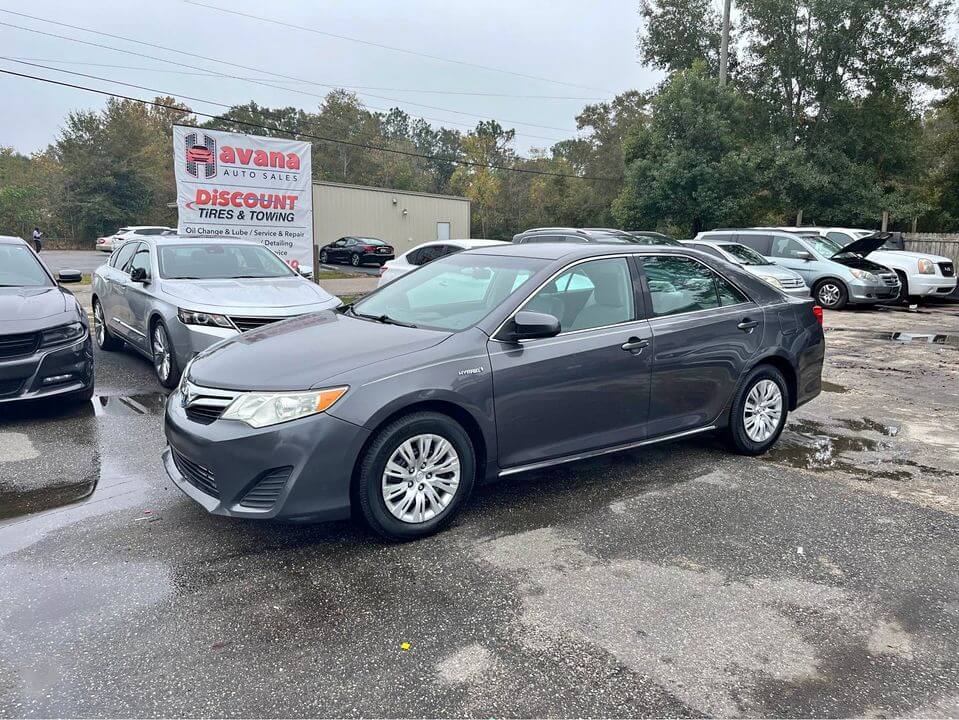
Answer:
(390, 191)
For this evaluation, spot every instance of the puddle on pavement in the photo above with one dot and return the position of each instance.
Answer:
(14, 503)
(832, 387)
(812, 445)
(127, 405)
(928, 338)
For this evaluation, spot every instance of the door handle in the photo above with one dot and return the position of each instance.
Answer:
(635, 345)
(747, 325)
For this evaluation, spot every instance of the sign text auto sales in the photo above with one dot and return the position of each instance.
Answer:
(245, 186)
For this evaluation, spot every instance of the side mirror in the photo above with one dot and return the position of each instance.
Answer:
(139, 275)
(531, 325)
(804, 255)
(69, 276)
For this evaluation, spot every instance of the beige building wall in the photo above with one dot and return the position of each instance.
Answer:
(402, 218)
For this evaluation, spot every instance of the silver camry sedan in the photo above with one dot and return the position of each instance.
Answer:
(171, 297)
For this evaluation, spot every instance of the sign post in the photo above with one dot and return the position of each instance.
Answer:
(245, 187)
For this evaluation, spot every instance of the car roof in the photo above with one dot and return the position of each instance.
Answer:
(178, 239)
(575, 251)
(11, 240)
(710, 242)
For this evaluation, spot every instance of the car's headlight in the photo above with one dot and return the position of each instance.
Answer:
(62, 334)
(262, 409)
(194, 317)
(927, 267)
(863, 275)
(772, 281)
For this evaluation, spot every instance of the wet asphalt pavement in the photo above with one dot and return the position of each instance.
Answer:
(678, 580)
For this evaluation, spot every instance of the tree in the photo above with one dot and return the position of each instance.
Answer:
(679, 34)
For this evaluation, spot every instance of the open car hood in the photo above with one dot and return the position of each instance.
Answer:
(866, 245)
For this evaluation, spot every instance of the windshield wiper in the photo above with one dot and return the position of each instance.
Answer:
(385, 319)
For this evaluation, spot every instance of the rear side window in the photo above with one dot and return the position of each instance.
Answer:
(542, 239)
(123, 255)
(759, 243)
(719, 237)
(682, 285)
(709, 249)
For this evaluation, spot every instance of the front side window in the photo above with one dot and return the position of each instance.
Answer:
(787, 247)
(19, 267)
(141, 259)
(590, 295)
(681, 285)
(219, 261)
(451, 293)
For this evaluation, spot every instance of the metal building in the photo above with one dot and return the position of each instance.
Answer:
(400, 217)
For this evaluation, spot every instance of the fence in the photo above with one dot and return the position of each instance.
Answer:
(946, 244)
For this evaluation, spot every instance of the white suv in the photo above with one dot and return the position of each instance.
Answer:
(921, 275)
(109, 243)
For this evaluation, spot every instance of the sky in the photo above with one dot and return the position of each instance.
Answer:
(583, 51)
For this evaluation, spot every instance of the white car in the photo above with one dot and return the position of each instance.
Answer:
(422, 254)
(108, 243)
(921, 275)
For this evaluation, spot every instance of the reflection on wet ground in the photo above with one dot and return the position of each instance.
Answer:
(36, 473)
(812, 445)
(832, 387)
(945, 339)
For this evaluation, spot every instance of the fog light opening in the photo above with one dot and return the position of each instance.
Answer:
(55, 379)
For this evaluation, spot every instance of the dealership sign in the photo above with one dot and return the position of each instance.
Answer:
(245, 186)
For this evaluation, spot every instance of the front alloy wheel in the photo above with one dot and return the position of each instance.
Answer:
(831, 294)
(164, 359)
(324, 258)
(421, 478)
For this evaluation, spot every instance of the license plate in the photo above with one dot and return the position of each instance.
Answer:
(383, 250)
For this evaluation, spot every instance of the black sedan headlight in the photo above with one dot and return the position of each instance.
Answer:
(62, 334)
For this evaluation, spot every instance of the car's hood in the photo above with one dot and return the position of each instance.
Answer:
(866, 245)
(893, 255)
(32, 303)
(252, 292)
(303, 352)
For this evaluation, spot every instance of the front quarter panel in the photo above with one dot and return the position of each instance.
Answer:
(454, 372)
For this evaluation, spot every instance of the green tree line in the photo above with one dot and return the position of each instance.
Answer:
(835, 112)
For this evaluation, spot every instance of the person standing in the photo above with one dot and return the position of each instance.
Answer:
(37, 239)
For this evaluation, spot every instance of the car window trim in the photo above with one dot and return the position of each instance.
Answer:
(639, 306)
(649, 297)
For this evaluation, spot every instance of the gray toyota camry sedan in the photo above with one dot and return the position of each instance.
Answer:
(168, 297)
(484, 364)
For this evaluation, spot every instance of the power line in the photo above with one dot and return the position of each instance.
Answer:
(180, 95)
(390, 47)
(207, 73)
(233, 64)
(320, 138)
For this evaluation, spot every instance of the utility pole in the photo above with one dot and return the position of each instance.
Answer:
(724, 47)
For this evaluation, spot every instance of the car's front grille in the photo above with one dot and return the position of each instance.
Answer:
(204, 405)
(947, 269)
(10, 387)
(195, 474)
(252, 323)
(16, 345)
(792, 282)
(889, 279)
(267, 490)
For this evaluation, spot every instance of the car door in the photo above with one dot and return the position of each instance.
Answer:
(139, 299)
(112, 296)
(705, 330)
(588, 387)
(337, 251)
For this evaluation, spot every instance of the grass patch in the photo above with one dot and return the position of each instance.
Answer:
(335, 275)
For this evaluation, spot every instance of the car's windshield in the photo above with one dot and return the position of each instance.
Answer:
(745, 255)
(451, 293)
(823, 245)
(19, 267)
(212, 261)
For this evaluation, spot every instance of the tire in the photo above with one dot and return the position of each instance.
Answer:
(744, 438)
(355, 260)
(387, 448)
(904, 295)
(324, 258)
(164, 356)
(831, 294)
(104, 339)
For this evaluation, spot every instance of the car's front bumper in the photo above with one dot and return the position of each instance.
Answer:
(930, 285)
(298, 470)
(48, 372)
(861, 292)
(802, 293)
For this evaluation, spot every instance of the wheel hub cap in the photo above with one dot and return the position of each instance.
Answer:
(763, 410)
(421, 478)
(829, 294)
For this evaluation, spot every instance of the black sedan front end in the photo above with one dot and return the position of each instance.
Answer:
(45, 344)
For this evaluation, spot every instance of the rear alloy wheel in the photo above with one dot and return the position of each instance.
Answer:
(164, 357)
(831, 294)
(758, 413)
(355, 260)
(416, 474)
(105, 339)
